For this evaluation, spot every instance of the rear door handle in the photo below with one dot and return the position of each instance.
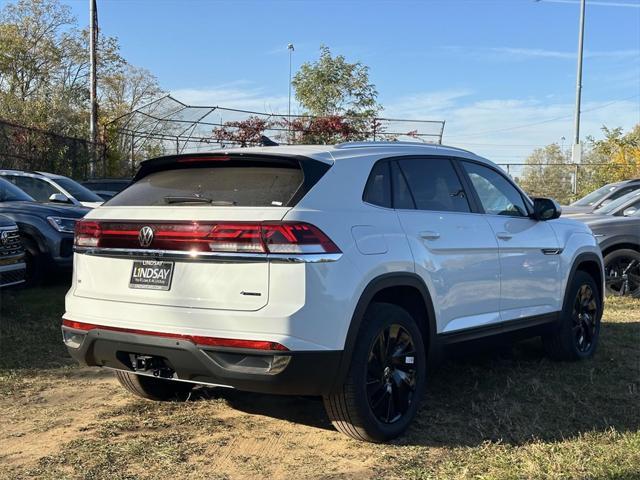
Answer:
(504, 236)
(429, 235)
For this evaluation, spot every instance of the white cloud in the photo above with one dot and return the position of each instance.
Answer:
(508, 130)
(518, 54)
(600, 4)
(504, 130)
(238, 95)
(521, 53)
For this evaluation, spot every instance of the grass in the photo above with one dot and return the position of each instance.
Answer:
(496, 413)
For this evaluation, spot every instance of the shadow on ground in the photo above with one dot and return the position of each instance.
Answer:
(511, 395)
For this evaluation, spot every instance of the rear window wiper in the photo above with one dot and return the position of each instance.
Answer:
(173, 199)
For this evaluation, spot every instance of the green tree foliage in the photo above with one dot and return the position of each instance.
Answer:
(548, 175)
(340, 96)
(44, 72)
(611, 159)
(549, 172)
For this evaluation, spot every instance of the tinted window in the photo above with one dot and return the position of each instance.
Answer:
(11, 193)
(250, 186)
(434, 185)
(39, 189)
(401, 194)
(614, 205)
(378, 188)
(620, 193)
(595, 196)
(108, 186)
(497, 195)
(78, 192)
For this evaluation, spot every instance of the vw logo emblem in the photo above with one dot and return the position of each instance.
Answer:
(145, 236)
(4, 237)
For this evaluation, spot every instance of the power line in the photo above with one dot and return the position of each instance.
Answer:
(541, 122)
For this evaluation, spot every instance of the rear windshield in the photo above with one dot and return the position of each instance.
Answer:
(80, 193)
(243, 186)
(594, 196)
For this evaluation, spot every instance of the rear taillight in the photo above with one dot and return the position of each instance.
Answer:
(87, 233)
(237, 237)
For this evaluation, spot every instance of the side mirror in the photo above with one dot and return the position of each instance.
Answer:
(546, 209)
(629, 211)
(59, 198)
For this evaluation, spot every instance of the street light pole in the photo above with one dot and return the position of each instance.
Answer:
(576, 151)
(291, 50)
(93, 123)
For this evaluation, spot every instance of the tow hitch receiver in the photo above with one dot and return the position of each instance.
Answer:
(156, 366)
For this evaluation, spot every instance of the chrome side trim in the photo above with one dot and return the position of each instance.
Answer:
(552, 251)
(214, 257)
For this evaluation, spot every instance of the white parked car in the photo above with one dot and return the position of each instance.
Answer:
(324, 270)
(49, 187)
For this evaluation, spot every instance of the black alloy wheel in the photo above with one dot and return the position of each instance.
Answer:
(584, 316)
(391, 374)
(622, 274)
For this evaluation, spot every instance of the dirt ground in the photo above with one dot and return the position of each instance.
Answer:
(494, 413)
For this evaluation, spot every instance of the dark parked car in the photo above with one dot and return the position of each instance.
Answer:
(12, 266)
(623, 206)
(602, 196)
(619, 239)
(107, 188)
(46, 229)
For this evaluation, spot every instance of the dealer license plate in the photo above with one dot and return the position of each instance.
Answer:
(151, 274)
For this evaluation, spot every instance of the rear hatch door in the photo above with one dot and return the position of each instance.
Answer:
(181, 204)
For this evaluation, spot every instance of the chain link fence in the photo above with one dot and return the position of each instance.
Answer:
(565, 182)
(27, 148)
(168, 126)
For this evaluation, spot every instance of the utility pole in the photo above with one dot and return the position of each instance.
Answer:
(93, 45)
(291, 50)
(576, 150)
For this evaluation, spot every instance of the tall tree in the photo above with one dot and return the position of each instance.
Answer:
(547, 174)
(610, 159)
(334, 88)
(44, 75)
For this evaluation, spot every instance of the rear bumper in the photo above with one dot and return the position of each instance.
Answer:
(289, 373)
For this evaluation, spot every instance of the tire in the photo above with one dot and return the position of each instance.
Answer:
(576, 336)
(152, 388)
(622, 273)
(357, 407)
(35, 263)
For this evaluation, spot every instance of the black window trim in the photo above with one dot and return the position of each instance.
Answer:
(470, 195)
(525, 198)
(312, 170)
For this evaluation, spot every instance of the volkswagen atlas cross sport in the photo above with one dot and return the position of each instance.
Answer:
(335, 271)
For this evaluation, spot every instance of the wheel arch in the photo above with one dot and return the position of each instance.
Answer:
(592, 264)
(33, 234)
(404, 289)
(620, 245)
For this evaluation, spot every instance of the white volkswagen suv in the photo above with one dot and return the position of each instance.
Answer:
(323, 270)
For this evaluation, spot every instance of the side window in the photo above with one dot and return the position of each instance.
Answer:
(434, 185)
(619, 193)
(629, 209)
(378, 188)
(38, 189)
(497, 195)
(402, 197)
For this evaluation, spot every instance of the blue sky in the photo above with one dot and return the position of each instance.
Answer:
(486, 67)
